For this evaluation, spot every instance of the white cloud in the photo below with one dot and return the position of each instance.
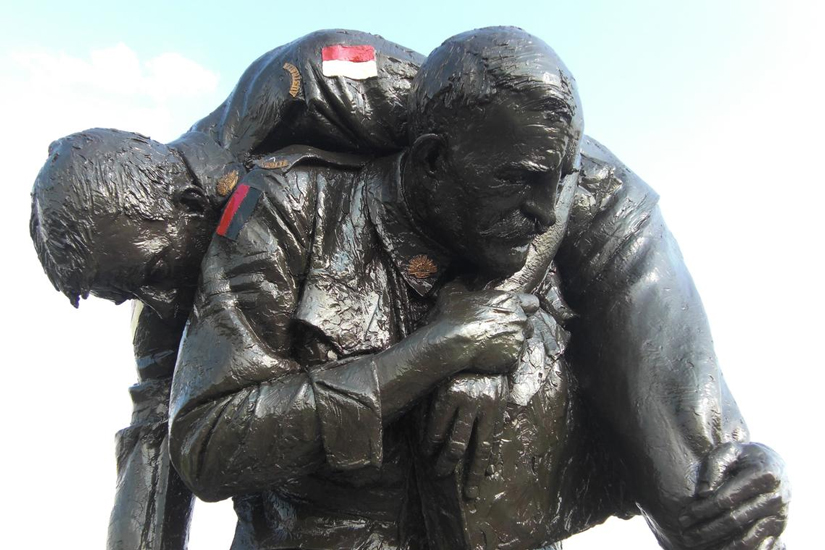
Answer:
(54, 93)
(172, 75)
(119, 70)
(47, 94)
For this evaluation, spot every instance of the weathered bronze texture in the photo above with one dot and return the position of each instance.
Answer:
(423, 310)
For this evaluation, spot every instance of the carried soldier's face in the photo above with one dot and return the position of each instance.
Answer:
(503, 170)
(155, 262)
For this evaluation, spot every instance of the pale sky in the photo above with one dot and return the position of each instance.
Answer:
(717, 105)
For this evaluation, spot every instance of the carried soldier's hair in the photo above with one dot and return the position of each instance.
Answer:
(88, 176)
(472, 69)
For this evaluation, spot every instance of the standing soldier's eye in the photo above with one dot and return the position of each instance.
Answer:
(514, 176)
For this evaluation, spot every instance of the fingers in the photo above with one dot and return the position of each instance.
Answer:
(529, 303)
(456, 446)
(540, 329)
(742, 494)
(715, 466)
(522, 306)
(528, 329)
(487, 329)
(488, 424)
(505, 302)
(755, 536)
(482, 451)
(735, 520)
(747, 485)
(520, 309)
(756, 470)
(442, 413)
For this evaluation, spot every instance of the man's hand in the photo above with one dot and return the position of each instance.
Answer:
(470, 407)
(742, 500)
(488, 330)
(485, 330)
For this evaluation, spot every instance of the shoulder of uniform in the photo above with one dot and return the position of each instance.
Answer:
(281, 181)
(285, 192)
(214, 168)
(611, 206)
(290, 157)
(604, 180)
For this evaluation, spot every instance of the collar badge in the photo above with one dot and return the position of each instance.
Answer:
(422, 267)
(227, 183)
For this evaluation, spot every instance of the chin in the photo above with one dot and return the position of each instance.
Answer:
(503, 261)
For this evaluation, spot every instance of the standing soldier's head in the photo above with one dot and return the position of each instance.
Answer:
(495, 124)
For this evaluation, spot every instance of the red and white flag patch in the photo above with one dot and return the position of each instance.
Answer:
(355, 62)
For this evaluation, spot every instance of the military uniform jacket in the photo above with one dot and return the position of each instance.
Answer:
(310, 270)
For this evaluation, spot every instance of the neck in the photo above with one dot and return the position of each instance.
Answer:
(213, 169)
(414, 198)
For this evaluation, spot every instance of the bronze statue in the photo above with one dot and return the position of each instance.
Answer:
(380, 351)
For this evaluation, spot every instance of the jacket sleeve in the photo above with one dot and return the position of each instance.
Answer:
(641, 345)
(152, 505)
(244, 414)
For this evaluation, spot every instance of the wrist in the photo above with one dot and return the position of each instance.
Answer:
(446, 348)
(413, 367)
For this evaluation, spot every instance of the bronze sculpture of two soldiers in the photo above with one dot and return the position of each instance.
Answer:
(422, 310)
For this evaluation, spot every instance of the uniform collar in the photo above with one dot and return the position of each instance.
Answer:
(213, 168)
(421, 262)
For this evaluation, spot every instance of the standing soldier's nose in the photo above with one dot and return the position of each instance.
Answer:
(541, 207)
(543, 217)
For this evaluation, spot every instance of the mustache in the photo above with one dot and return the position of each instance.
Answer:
(515, 226)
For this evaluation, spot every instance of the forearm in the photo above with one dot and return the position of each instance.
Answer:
(155, 342)
(249, 439)
(412, 368)
(648, 367)
(642, 350)
(152, 505)
(256, 436)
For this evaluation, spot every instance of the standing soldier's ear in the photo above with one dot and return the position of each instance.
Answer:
(428, 153)
(572, 161)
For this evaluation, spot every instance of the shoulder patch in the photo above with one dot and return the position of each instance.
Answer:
(237, 210)
(353, 62)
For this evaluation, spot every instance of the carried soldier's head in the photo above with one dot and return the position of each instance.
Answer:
(495, 124)
(117, 215)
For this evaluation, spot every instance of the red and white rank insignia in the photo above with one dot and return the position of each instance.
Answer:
(355, 62)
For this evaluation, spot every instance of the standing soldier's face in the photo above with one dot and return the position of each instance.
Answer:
(501, 176)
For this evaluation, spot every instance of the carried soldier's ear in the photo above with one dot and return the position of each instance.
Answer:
(194, 200)
(427, 152)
